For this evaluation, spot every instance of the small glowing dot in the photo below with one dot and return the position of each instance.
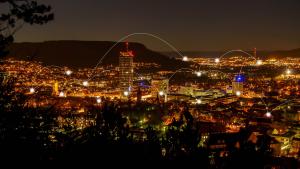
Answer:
(288, 71)
(238, 93)
(217, 60)
(199, 101)
(268, 114)
(85, 83)
(98, 100)
(68, 72)
(259, 62)
(126, 93)
(185, 58)
(161, 93)
(198, 74)
(32, 90)
(61, 94)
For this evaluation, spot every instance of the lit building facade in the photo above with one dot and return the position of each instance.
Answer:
(238, 84)
(55, 90)
(159, 84)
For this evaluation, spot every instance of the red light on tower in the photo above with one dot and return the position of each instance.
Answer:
(128, 53)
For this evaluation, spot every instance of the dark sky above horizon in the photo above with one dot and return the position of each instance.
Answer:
(187, 24)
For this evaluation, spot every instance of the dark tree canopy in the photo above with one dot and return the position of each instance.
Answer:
(20, 12)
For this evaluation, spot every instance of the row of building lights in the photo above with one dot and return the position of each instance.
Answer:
(217, 60)
(185, 58)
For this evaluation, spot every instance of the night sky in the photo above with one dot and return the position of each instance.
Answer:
(188, 25)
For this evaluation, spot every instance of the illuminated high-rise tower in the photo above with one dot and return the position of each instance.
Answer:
(126, 71)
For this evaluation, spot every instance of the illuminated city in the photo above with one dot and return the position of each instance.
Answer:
(215, 109)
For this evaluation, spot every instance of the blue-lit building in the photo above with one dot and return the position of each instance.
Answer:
(238, 84)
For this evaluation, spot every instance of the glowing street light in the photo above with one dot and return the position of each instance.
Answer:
(61, 94)
(85, 83)
(185, 58)
(268, 114)
(199, 101)
(161, 93)
(259, 62)
(217, 60)
(32, 90)
(288, 71)
(238, 93)
(98, 100)
(68, 72)
(126, 93)
(199, 74)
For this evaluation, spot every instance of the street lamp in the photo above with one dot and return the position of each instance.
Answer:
(288, 71)
(68, 72)
(31, 90)
(268, 114)
(61, 94)
(217, 60)
(98, 100)
(126, 93)
(199, 101)
(199, 74)
(238, 93)
(259, 62)
(161, 93)
(85, 83)
(185, 58)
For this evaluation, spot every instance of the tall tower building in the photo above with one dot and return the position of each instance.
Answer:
(126, 70)
(238, 84)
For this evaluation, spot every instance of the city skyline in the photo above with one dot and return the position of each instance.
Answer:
(88, 100)
(189, 26)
